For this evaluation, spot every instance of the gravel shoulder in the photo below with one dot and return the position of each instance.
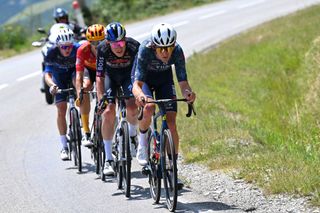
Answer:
(222, 188)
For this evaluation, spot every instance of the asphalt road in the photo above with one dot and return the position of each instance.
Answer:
(34, 179)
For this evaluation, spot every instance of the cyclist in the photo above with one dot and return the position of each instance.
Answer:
(152, 75)
(86, 74)
(60, 65)
(61, 15)
(114, 64)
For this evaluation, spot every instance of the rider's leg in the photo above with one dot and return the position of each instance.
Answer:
(108, 117)
(62, 123)
(84, 111)
(171, 121)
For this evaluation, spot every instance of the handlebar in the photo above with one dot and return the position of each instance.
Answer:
(165, 102)
(65, 90)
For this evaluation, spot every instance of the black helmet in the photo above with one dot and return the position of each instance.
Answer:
(60, 13)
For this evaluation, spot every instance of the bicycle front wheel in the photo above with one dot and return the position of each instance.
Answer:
(100, 150)
(126, 158)
(169, 168)
(76, 138)
(154, 168)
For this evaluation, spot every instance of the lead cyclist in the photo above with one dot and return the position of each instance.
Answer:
(153, 78)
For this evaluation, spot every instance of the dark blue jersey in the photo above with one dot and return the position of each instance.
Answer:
(151, 70)
(61, 68)
(115, 67)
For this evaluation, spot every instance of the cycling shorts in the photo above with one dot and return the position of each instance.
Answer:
(112, 85)
(63, 81)
(164, 91)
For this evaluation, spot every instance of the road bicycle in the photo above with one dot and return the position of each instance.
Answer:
(121, 144)
(162, 163)
(97, 150)
(74, 131)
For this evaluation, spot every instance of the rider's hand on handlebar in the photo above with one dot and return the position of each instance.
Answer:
(189, 95)
(53, 89)
(141, 100)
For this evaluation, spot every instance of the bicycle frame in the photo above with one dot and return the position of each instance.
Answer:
(163, 147)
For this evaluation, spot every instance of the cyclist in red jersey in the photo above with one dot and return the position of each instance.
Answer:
(86, 74)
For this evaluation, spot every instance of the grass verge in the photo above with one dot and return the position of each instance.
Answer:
(258, 106)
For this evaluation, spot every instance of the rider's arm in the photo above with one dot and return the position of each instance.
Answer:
(139, 76)
(181, 73)
(79, 70)
(100, 73)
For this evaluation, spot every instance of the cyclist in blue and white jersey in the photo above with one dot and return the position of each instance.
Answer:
(60, 66)
(153, 78)
(115, 59)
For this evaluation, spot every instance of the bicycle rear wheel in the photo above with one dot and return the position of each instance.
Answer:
(154, 168)
(125, 158)
(77, 138)
(169, 168)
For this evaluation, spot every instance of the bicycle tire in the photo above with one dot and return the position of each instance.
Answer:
(101, 152)
(154, 165)
(118, 165)
(77, 138)
(169, 168)
(95, 147)
(126, 158)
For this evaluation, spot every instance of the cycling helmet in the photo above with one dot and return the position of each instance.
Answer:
(115, 31)
(163, 35)
(54, 31)
(95, 32)
(59, 13)
(64, 36)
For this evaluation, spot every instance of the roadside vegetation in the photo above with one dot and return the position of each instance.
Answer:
(13, 39)
(258, 106)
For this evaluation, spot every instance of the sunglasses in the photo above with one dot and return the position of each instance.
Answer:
(165, 49)
(95, 43)
(66, 47)
(117, 44)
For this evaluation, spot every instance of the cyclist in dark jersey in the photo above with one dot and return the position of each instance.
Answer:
(115, 59)
(60, 66)
(152, 75)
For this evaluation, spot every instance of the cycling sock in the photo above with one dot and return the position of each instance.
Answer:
(85, 122)
(143, 138)
(132, 130)
(108, 149)
(64, 141)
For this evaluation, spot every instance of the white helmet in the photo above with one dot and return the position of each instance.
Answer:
(54, 31)
(64, 36)
(163, 35)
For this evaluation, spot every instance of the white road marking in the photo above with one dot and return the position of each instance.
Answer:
(212, 14)
(250, 4)
(180, 23)
(2, 86)
(29, 76)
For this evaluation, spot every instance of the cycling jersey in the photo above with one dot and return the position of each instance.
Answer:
(110, 64)
(151, 70)
(85, 58)
(157, 75)
(116, 70)
(61, 68)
